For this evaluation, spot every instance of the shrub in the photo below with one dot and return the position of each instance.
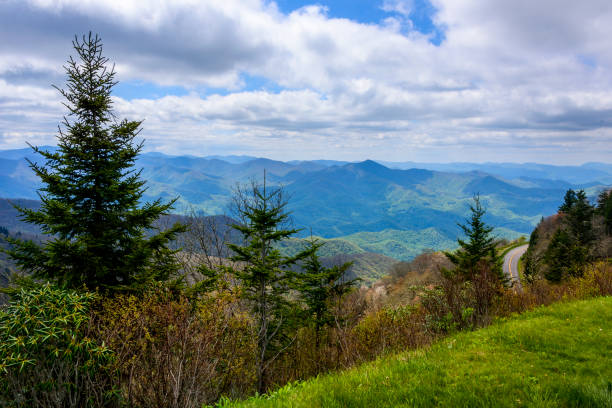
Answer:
(390, 329)
(456, 303)
(46, 358)
(178, 352)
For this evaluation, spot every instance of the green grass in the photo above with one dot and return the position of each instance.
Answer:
(556, 356)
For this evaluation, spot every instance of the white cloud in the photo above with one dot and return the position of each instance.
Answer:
(509, 75)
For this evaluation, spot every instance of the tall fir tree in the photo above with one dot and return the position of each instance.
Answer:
(91, 192)
(570, 247)
(478, 248)
(318, 286)
(530, 260)
(579, 220)
(604, 209)
(265, 274)
(559, 257)
(569, 200)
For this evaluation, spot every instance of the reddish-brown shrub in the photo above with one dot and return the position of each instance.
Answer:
(176, 352)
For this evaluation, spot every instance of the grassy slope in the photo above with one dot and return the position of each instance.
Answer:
(554, 356)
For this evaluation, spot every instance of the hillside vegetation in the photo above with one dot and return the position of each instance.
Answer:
(368, 266)
(395, 212)
(331, 247)
(562, 245)
(401, 245)
(560, 355)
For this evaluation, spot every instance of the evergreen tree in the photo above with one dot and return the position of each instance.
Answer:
(265, 275)
(318, 285)
(570, 247)
(568, 201)
(91, 195)
(604, 209)
(478, 248)
(531, 264)
(559, 257)
(579, 220)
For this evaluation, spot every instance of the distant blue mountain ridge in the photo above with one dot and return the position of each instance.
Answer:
(396, 209)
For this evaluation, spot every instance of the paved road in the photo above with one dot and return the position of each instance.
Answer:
(511, 264)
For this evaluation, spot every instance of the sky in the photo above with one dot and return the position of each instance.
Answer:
(393, 80)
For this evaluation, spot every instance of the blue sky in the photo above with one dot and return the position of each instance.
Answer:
(373, 12)
(418, 80)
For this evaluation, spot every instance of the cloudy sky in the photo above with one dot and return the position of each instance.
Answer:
(437, 81)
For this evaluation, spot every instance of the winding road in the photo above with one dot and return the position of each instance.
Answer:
(511, 265)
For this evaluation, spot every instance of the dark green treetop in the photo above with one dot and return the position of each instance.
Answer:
(530, 261)
(579, 219)
(91, 195)
(569, 200)
(604, 208)
(569, 250)
(560, 257)
(478, 247)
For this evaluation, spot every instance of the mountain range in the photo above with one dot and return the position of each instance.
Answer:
(395, 209)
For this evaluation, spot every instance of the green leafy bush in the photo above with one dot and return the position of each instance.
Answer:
(46, 358)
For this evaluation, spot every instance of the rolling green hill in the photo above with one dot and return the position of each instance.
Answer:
(526, 172)
(331, 246)
(401, 245)
(369, 207)
(366, 196)
(555, 356)
(368, 266)
(398, 244)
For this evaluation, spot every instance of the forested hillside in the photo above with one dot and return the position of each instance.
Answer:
(393, 212)
(565, 243)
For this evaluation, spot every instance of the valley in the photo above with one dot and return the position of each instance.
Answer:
(365, 207)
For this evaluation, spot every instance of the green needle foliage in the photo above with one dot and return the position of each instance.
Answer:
(560, 257)
(579, 220)
(265, 275)
(479, 248)
(319, 285)
(604, 208)
(569, 250)
(91, 195)
(569, 200)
